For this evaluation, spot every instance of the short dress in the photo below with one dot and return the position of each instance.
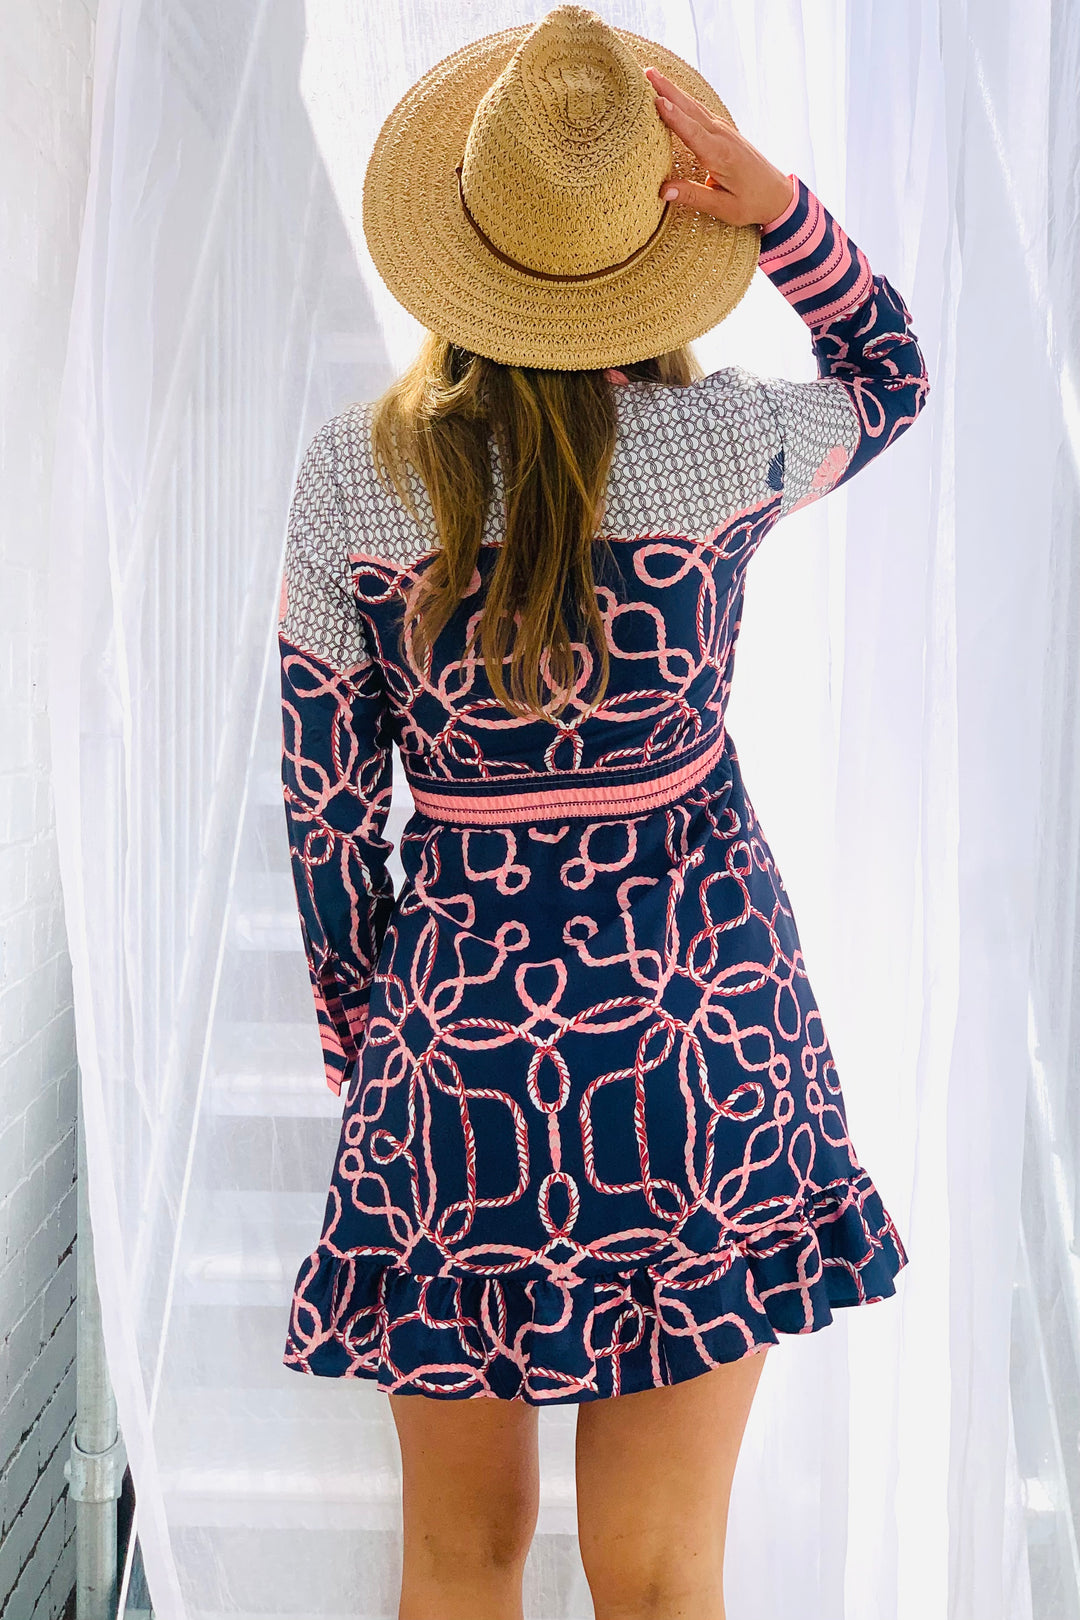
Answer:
(593, 1139)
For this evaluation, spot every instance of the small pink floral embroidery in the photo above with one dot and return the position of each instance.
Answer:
(825, 476)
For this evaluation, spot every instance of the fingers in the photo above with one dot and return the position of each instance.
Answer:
(678, 97)
(707, 137)
(707, 199)
(688, 127)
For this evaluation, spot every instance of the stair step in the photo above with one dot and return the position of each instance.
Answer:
(250, 1245)
(231, 1466)
(264, 915)
(271, 1070)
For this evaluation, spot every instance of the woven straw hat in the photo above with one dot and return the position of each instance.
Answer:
(512, 201)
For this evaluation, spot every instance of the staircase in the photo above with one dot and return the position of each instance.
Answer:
(248, 1446)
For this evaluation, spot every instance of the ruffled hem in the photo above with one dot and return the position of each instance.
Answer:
(459, 1336)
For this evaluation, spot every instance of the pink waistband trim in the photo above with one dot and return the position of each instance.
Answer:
(551, 804)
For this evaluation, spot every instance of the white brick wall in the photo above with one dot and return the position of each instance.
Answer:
(44, 137)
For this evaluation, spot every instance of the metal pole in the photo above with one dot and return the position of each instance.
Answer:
(95, 1469)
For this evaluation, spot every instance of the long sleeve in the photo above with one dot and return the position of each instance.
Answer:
(872, 380)
(337, 762)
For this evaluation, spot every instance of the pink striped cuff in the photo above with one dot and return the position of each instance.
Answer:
(813, 258)
(789, 210)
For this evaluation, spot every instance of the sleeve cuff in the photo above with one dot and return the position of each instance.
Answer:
(775, 224)
(810, 259)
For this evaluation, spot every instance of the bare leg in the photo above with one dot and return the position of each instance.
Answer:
(654, 1472)
(471, 1492)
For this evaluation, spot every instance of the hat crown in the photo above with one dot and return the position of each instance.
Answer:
(566, 151)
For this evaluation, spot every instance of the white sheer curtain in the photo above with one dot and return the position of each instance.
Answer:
(903, 710)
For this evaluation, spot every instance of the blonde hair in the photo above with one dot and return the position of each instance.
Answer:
(555, 432)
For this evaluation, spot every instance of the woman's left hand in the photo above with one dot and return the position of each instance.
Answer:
(743, 187)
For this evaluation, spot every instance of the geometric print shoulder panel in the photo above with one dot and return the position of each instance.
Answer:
(318, 612)
(686, 461)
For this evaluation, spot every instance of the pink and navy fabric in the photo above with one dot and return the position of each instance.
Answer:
(593, 1138)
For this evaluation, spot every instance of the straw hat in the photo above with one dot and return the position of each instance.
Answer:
(512, 201)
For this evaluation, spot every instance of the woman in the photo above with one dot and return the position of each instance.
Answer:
(594, 1149)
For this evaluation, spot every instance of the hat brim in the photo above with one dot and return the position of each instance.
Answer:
(692, 274)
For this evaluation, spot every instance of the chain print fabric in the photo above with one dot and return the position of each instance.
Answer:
(593, 1138)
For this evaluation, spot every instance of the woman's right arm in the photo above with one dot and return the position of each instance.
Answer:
(872, 380)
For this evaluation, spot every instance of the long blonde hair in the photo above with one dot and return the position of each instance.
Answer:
(555, 432)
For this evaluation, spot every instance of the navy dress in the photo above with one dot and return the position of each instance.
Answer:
(593, 1139)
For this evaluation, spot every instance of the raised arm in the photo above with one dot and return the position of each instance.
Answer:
(872, 380)
(336, 762)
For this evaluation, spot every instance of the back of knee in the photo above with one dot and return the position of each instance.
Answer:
(644, 1584)
(492, 1537)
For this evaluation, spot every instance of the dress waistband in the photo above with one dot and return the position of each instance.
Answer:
(487, 806)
